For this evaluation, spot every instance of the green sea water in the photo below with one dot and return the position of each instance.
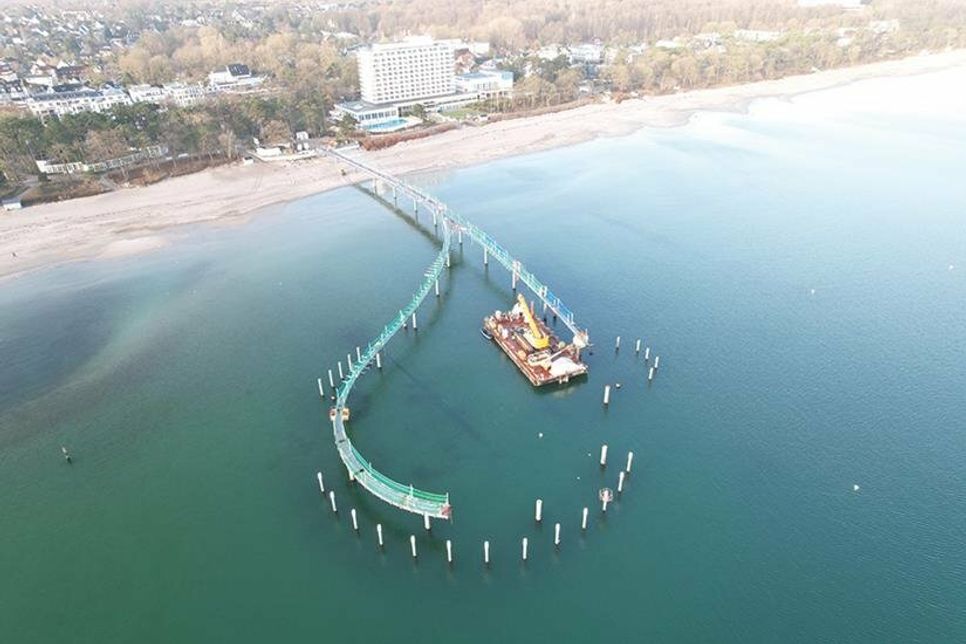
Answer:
(801, 271)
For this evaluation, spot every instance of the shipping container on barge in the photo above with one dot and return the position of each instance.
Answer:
(539, 354)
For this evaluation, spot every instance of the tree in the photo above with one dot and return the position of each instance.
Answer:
(346, 125)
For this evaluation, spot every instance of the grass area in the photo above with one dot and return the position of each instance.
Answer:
(462, 113)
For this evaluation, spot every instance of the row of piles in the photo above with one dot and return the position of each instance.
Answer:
(605, 496)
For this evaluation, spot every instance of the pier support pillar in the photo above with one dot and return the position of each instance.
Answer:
(331, 380)
(449, 552)
(378, 361)
(630, 460)
(341, 375)
(412, 544)
(486, 553)
(556, 535)
(603, 455)
(486, 259)
(414, 321)
(606, 395)
(379, 534)
(620, 482)
(583, 519)
(525, 544)
(437, 288)
(538, 511)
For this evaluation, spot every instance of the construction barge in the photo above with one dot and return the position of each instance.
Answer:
(539, 354)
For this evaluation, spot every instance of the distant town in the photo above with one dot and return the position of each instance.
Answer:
(110, 95)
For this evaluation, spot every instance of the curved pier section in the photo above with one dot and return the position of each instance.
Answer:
(407, 497)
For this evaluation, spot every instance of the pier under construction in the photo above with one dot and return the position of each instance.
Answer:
(452, 227)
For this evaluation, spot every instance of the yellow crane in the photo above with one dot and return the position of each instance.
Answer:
(537, 338)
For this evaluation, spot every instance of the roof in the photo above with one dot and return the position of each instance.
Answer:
(238, 69)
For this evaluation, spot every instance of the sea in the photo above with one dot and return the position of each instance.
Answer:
(798, 472)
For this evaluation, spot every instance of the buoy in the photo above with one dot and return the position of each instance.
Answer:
(540, 435)
(855, 487)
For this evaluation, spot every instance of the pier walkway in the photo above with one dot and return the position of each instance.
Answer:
(408, 497)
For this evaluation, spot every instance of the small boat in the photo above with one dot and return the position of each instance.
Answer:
(485, 334)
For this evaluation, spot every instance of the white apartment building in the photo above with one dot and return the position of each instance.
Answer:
(486, 84)
(179, 94)
(76, 101)
(183, 94)
(414, 69)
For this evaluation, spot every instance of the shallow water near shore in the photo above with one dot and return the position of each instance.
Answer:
(801, 271)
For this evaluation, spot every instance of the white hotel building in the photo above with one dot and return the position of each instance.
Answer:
(401, 75)
(415, 69)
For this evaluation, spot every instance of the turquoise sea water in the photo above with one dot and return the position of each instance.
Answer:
(184, 383)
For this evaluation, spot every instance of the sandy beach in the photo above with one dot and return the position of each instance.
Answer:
(136, 220)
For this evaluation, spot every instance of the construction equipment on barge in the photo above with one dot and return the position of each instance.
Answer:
(540, 355)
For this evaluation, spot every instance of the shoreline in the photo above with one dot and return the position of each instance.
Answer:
(137, 220)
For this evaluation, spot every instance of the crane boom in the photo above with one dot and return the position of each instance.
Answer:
(537, 338)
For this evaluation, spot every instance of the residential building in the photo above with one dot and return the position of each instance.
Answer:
(587, 53)
(233, 78)
(75, 101)
(145, 93)
(178, 94)
(486, 84)
(411, 70)
(183, 94)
